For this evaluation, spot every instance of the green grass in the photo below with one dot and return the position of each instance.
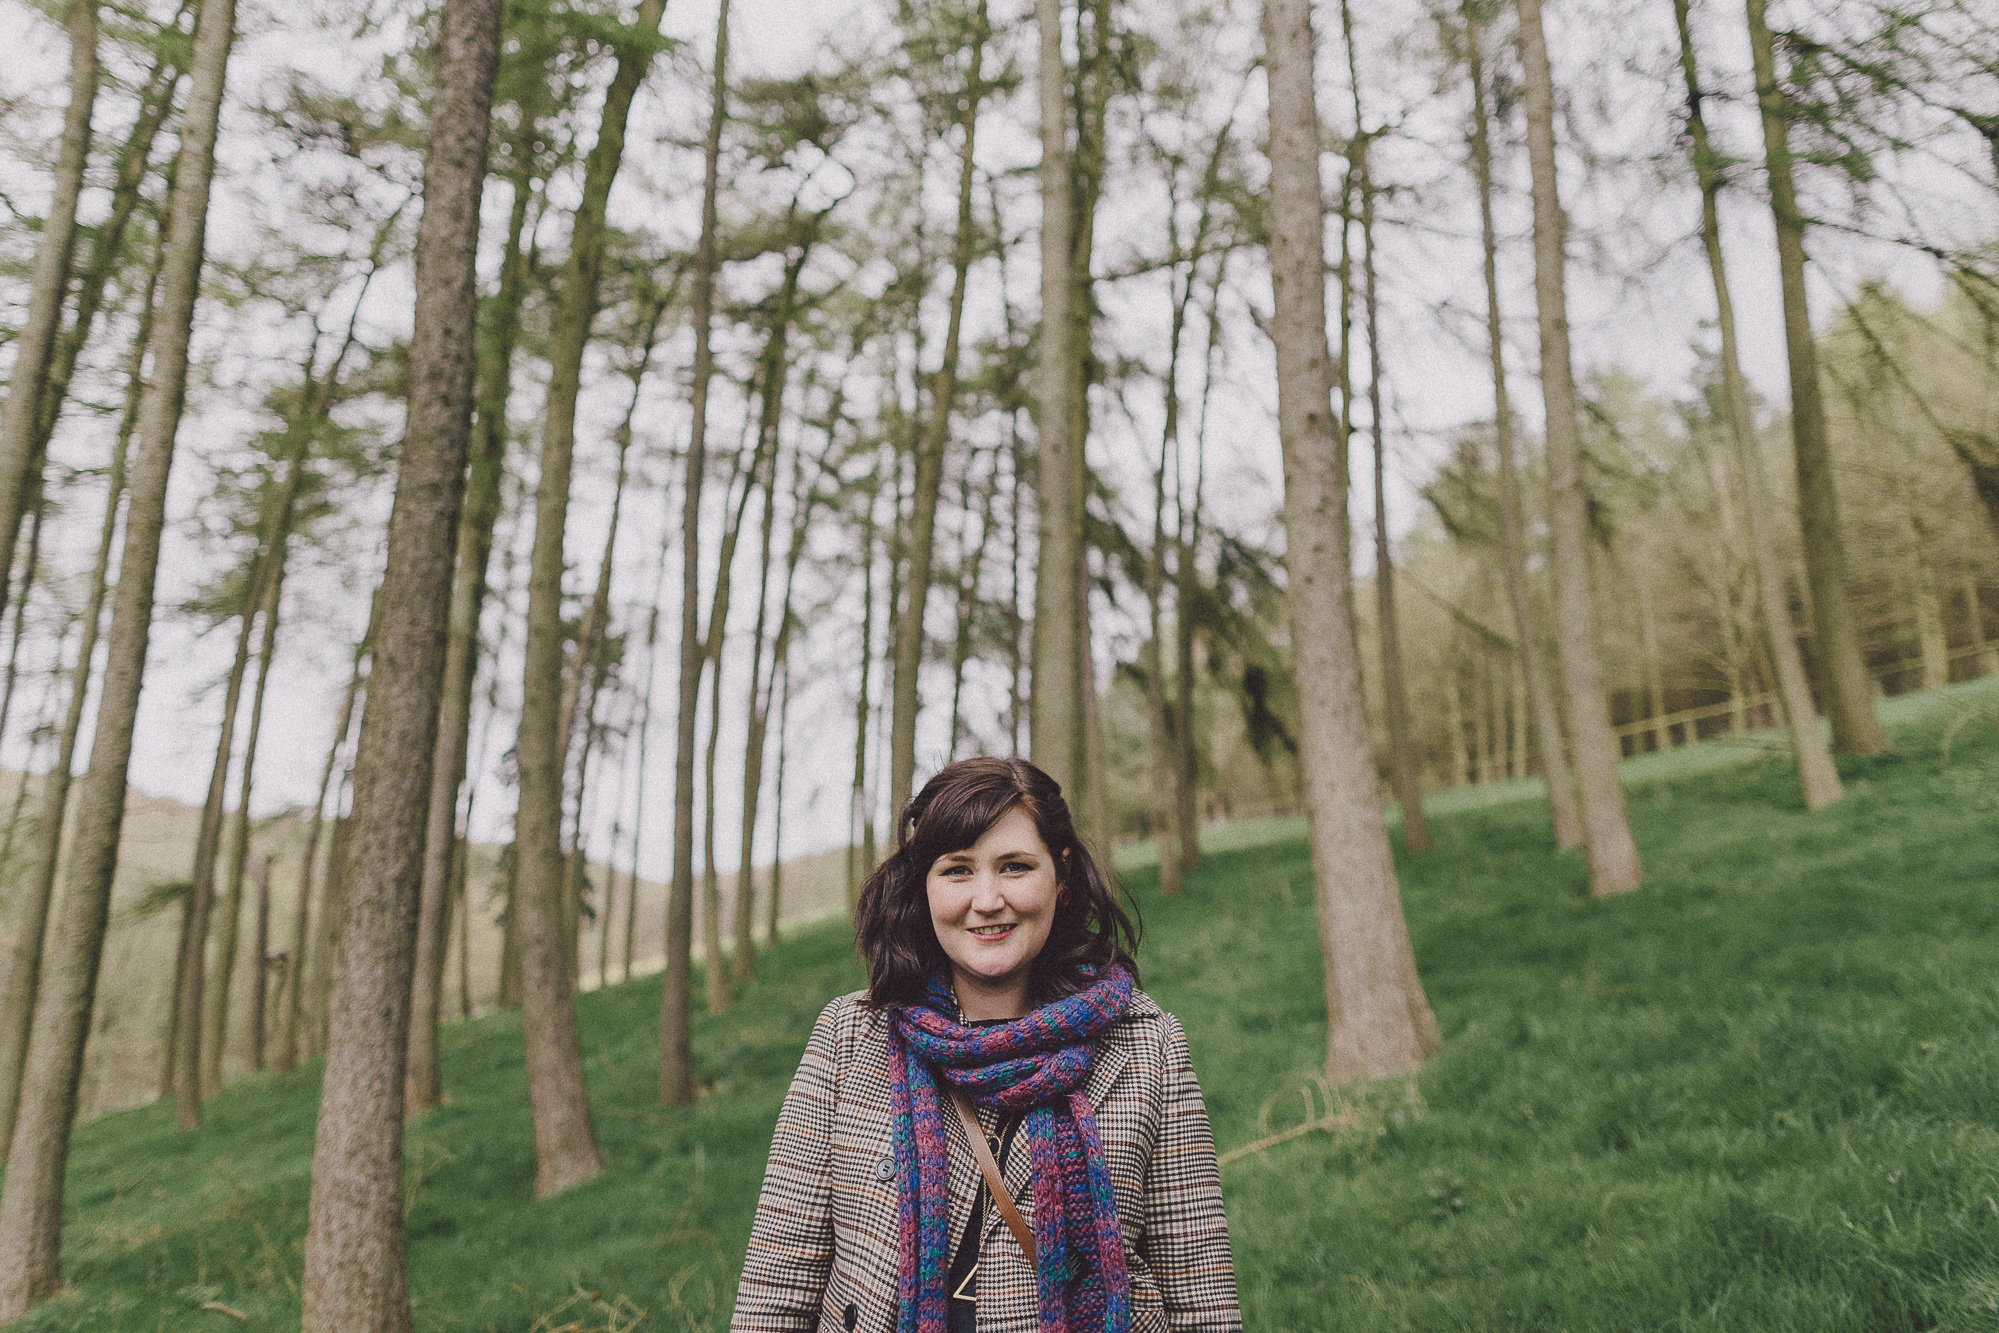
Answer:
(1760, 1094)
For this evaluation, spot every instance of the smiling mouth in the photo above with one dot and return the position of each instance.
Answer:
(993, 932)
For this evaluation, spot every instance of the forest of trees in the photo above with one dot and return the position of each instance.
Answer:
(512, 464)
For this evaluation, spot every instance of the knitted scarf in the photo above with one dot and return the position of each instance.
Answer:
(1037, 1064)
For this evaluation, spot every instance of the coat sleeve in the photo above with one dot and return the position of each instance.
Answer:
(1187, 1234)
(791, 1242)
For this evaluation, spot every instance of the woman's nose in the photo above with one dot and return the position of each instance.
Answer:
(985, 893)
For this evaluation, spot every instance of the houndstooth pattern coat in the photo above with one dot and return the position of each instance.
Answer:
(822, 1256)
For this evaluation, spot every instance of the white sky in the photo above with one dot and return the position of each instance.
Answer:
(1610, 53)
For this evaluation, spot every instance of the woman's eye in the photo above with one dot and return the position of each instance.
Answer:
(1012, 866)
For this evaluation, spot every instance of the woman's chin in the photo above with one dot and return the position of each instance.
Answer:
(992, 973)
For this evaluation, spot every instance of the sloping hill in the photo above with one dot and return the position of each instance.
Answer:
(128, 1038)
(1762, 1093)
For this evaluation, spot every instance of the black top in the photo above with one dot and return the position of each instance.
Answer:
(962, 1309)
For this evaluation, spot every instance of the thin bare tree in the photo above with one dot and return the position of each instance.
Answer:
(290, 1041)
(909, 637)
(1378, 1020)
(566, 1151)
(1563, 812)
(1394, 685)
(215, 1020)
(1614, 866)
(355, 1277)
(1817, 776)
(20, 456)
(23, 962)
(1845, 687)
(31, 1198)
(1055, 715)
(676, 1001)
(423, 1087)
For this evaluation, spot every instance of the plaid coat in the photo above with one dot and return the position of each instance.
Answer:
(822, 1255)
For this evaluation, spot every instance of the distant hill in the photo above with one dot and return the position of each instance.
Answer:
(127, 1044)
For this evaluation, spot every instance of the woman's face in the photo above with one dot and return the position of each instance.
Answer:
(992, 905)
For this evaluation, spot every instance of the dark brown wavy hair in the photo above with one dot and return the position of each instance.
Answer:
(953, 811)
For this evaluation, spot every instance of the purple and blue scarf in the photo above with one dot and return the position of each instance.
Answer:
(1036, 1064)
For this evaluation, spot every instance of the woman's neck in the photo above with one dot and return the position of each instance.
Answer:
(980, 1000)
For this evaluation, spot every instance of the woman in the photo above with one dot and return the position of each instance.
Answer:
(1001, 987)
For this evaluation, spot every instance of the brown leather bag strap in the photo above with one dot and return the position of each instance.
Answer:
(990, 1170)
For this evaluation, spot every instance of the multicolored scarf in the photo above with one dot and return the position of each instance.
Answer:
(1036, 1064)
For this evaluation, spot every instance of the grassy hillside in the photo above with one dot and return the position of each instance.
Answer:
(128, 1042)
(1762, 1093)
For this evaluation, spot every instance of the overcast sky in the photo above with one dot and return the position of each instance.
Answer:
(1639, 301)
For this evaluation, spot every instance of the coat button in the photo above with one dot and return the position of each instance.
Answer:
(885, 1170)
(852, 1316)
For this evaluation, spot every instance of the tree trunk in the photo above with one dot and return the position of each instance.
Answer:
(803, 503)
(215, 1033)
(1160, 751)
(20, 458)
(510, 932)
(1817, 776)
(1408, 784)
(676, 1000)
(775, 375)
(1055, 721)
(260, 947)
(1517, 717)
(422, 1087)
(31, 1198)
(1186, 576)
(23, 962)
(1454, 724)
(1845, 687)
(38, 513)
(714, 971)
(332, 915)
(743, 946)
(566, 1151)
(266, 573)
(1096, 812)
(1648, 648)
(1481, 713)
(184, 1023)
(858, 812)
(715, 976)
(777, 804)
(930, 454)
(1563, 813)
(1932, 647)
(461, 869)
(1088, 165)
(972, 563)
(258, 970)
(1378, 1020)
(107, 253)
(645, 736)
(1162, 747)
(1982, 657)
(289, 1037)
(1613, 857)
(354, 1249)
